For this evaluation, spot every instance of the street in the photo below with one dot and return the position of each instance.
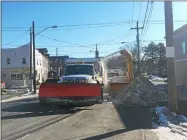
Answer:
(27, 120)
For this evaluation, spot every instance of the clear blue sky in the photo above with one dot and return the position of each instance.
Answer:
(21, 14)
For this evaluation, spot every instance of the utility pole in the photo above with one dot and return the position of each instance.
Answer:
(56, 51)
(172, 92)
(56, 62)
(138, 44)
(160, 60)
(34, 58)
(96, 52)
(31, 57)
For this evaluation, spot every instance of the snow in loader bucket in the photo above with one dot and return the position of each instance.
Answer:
(62, 93)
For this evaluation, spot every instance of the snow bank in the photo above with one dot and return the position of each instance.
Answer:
(169, 125)
(142, 91)
(165, 116)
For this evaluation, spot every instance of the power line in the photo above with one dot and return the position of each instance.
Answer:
(149, 17)
(86, 27)
(132, 13)
(75, 25)
(140, 10)
(145, 16)
(17, 38)
(107, 24)
(120, 24)
(64, 41)
(129, 32)
(51, 46)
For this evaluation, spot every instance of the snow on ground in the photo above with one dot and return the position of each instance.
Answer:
(169, 125)
(165, 133)
(20, 97)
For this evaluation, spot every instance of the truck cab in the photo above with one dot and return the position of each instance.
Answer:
(80, 73)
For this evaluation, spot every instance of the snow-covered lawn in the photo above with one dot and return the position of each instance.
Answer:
(169, 125)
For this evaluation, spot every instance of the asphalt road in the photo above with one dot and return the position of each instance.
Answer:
(25, 116)
(27, 120)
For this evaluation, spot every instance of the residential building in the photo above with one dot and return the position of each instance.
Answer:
(56, 66)
(180, 45)
(16, 66)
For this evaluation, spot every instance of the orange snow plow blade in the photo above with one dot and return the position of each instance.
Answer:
(53, 92)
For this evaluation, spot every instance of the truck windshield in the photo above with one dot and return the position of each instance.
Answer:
(79, 69)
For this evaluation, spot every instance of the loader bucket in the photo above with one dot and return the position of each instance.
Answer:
(114, 88)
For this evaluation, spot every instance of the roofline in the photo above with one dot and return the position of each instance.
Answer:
(180, 29)
(79, 64)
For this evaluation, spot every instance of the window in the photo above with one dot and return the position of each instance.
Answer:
(183, 48)
(78, 69)
(13, 76)
(16, 76)
(4, 75)
(19, 76)
(23, 60)
(8, 60)
(37, 62)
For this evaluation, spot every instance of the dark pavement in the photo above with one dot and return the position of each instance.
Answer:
(26, 116)
(23, 116)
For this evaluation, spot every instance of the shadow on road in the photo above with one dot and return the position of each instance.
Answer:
(34, 110)
(106, 135)
(135, 117)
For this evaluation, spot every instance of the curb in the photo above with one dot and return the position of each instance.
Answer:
(17, 96)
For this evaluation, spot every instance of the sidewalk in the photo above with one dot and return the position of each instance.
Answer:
(7, 98)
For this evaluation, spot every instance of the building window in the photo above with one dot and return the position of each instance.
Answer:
(40, 62)
(8, 60)
(183, 48)
(37, 62)
(19, 76)
(13, 76)
(16, 76)
(4, 75)
(23, 60)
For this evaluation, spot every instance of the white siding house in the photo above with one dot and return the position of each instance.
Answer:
(15, 64)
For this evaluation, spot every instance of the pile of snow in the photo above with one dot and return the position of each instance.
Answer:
(142, 91)
(156, 78)
(173, 125)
